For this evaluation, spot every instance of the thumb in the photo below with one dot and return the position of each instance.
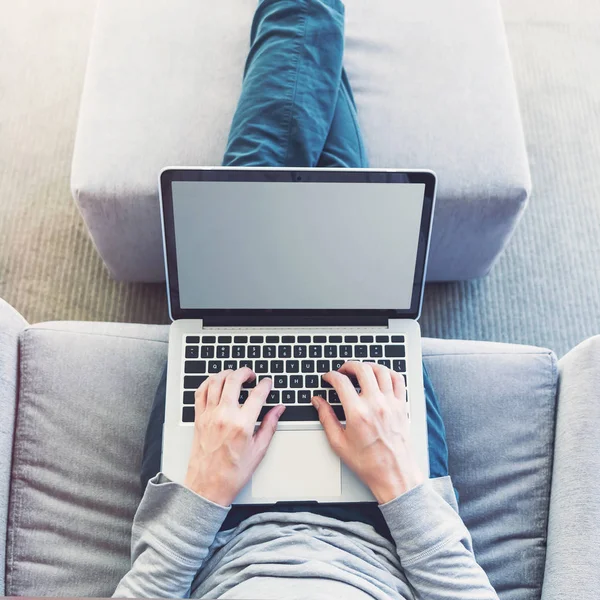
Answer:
(264, 434)
(331, 424)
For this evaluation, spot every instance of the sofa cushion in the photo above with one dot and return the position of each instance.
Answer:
(434, 90)
(86, 392)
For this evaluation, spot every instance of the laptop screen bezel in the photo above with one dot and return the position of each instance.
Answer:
(292, 175)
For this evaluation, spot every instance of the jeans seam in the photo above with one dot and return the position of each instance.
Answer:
(294, 82)
(355, 124)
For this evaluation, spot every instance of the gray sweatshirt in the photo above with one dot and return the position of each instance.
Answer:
(178, 551)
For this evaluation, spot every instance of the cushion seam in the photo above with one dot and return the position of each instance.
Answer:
(109, 335)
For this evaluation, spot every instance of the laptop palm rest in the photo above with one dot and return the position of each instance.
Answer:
(299, 465)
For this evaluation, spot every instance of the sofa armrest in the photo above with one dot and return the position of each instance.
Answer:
(574, 520)
(11, 325)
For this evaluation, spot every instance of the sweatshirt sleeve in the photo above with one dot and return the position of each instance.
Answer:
(173, 530)
(433, 544)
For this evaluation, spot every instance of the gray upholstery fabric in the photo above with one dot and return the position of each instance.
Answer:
(11, 325)
(86, 390)
(572, 562)
(434, 90)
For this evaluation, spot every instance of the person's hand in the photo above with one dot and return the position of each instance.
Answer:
(225, 449)
(376, 442)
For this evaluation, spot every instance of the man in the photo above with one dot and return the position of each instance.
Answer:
(297, 109)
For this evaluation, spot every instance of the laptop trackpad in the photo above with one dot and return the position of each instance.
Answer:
(299, 465)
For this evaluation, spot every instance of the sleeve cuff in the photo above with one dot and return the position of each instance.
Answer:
(178, 518)
(422, 519)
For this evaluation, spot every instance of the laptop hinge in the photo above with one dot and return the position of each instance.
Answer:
(282, 321)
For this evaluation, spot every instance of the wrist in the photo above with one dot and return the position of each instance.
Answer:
(213, 493)
(390, 489)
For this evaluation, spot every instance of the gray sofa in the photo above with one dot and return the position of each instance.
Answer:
(523, 434)
(433, 84)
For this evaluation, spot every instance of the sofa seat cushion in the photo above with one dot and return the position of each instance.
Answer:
(85, 395)
(433, 84)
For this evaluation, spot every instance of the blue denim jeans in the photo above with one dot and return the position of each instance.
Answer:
(296, 109)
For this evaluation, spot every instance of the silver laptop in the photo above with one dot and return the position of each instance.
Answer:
(291, 272)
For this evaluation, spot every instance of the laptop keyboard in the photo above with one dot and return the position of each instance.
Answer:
(296, 363)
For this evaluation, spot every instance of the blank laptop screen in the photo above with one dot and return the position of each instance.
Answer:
(286, 245)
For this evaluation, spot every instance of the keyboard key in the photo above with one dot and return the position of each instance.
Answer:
(330, 351)
(369, 360)
(256, 339)
(321, 393)
(398, 339)
(300, 351)
(304, 339)
(261, 366)
(243, 396)
(336, 364)
(238, 352)
(280, 381)
(272, 339)
(192, 351)
(288, 397)
(351, 339)
(296, 381)
(303, 413)
(208, 339)
(304, 397)
(240, 339)
(288, 339)
(346, 351)
(325, 384)
(323, 366)
(360, 351)
(253, 351)
(315, 351)
(224, 339)
(188, 414)
(284, 352)
(400, 366)
(333, 397)
(193, 382)
(207, 352)
(268, 351)
(335, 339)
(195, 366)
(214, 366)
(312, 381)
(192, 339)
(308, 366)
(189, 397)
(261, 377)
(382, 339)
(292, 366)
(276, 366)
(393, 351)
(366, 339)
(222, 351)
(385, 362)
(246, 363)
(273, 397)
(230, 364)
(375, 351)
(249, 384)
(320, 339)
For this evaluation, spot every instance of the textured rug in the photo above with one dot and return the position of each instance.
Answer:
(545, 289)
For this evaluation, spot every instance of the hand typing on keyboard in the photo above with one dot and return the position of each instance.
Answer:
(225, 448)
(376, 441)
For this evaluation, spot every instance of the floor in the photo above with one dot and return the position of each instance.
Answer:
(545, 289)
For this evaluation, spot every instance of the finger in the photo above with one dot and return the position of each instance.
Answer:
(233, 385)
(256, 399)
(363, 373)
(215, 388)
(200, 397)
(264, 434)
(384, 378)
(331, 424)
(344, 388)
(399, 385)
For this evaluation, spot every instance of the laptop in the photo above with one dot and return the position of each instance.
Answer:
(291, 272)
